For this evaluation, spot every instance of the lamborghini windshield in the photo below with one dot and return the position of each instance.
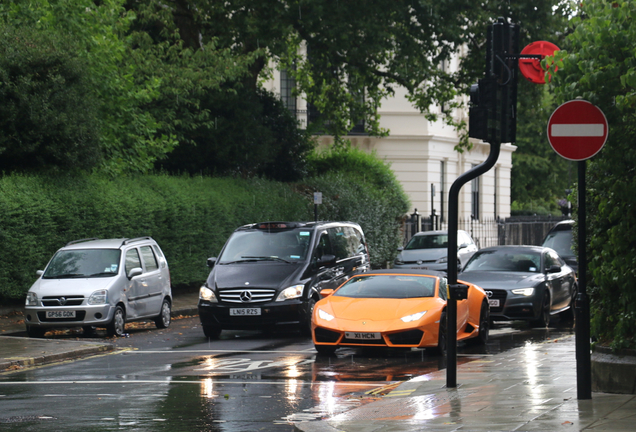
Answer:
(388, 286)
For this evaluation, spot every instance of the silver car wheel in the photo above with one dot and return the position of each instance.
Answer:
(118, 324)
(163, 320)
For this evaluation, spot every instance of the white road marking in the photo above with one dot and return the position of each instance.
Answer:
(234, 366)
(197, 382)
(308, 352)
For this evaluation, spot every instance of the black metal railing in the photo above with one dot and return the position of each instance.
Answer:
(526, 230)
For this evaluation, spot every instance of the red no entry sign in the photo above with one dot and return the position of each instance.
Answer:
(577, 130)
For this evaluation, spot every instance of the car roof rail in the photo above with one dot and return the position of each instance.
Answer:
(81, 240)
(136, 239)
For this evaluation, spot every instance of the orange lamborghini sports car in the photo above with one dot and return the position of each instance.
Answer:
(396, 308)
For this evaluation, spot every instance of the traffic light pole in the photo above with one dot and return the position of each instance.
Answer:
(493, 119)
(456, 291)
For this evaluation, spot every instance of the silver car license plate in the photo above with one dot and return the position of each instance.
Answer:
(60, 314)
(493, 302)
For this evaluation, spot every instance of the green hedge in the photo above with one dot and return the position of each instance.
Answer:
(190, 217)
(359, 187)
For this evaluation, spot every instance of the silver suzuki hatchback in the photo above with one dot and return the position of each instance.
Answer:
(93, 283)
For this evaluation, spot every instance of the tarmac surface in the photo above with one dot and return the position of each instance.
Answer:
(531, 388)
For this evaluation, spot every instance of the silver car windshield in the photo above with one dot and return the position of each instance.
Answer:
(83, 263)
(284, 246)
(388, 286)
(429, 241)
(561, 242)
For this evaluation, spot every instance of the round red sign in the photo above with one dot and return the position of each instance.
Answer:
(577, 130)
(531, 67)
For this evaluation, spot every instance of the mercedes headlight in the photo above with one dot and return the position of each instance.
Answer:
(292, 292)
(207, 294)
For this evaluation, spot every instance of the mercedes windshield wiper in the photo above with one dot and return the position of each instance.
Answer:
(267, 258)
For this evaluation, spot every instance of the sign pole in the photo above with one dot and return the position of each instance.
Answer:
(583, 356)
(577, 130)
(317, 201)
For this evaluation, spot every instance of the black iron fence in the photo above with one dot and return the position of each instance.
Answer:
(515, 230)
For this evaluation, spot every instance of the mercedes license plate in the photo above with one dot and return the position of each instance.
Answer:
(362, 336)
(60, 314)
(493, 302)
(245, 311)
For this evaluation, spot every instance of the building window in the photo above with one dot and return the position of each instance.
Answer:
(474, 195)
(442, 189)
(496, 190)
(287, 86)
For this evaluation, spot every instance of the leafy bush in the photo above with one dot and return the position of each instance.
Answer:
(190, 217)
(535, 207)
(356, 162)
(358, 186)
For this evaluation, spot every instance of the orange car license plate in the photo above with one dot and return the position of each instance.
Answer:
(363, 336)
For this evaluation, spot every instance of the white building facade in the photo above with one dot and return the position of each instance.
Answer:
(423, 157)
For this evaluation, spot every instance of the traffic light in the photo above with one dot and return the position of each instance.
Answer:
(483, 99)
(493, 110)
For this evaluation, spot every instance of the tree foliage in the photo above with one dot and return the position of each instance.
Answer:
(148, 90)
(161, 71)
(599, 65)
(251, 134)
(48, 111)
(539, 177)
(346, 58)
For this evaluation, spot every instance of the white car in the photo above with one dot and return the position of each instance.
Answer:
(428, 250)
(101, 283)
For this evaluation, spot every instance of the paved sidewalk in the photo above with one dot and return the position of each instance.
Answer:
(532, 388)
(18, 351)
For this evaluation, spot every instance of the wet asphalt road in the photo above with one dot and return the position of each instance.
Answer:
(177, 380)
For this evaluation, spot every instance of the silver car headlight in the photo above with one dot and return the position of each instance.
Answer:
(523, 291)
(292, 292)
(99, 297)
(207, 294)
(31, 299)
(442, 260)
